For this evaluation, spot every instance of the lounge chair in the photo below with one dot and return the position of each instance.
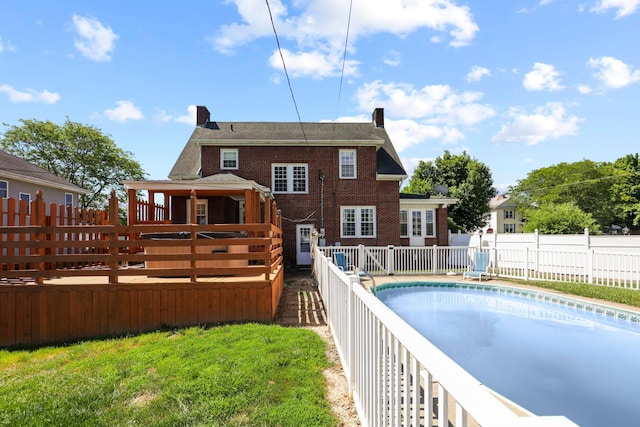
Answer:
(479, 268)
(340, 260)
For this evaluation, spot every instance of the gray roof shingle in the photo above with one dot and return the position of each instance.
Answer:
(286, 133)
(13, 167)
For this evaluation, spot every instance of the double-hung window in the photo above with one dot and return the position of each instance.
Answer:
(290, 178)
(68, 200)
(429, 223)
(358, 221)
(509, 228)
(228, 158)
(404, 224)
(4, 189)
(509, 214)
(348, 164)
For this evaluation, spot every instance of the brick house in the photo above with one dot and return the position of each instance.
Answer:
(341, 179)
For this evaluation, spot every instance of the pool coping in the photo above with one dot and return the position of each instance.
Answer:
(573, 301)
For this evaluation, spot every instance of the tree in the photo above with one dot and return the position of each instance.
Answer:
(586, 184)
(467, 179)
(626, 190)
(563, 218)
(79, 153)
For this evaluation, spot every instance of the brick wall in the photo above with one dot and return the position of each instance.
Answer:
(321, 207)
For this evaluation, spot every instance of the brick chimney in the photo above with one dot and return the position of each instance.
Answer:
(378, 117)
(202, 115)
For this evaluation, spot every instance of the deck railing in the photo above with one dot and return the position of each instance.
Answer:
(590, 266)
(45, 243)
(396, 376)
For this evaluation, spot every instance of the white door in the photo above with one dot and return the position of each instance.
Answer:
(303, 244)
(416, 228)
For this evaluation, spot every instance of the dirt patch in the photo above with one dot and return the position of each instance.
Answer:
(301, 306)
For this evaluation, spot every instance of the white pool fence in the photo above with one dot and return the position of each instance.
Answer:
(618, 269)
(395, 376)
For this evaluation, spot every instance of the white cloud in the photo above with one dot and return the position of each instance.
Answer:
(435, 104)
(623, 7)
(6, 45)
(542, 77)
(189, 118)
(314, 63)
(545, 122)
(29, 95)
(614, 73)
(584, 89)
(96, 41)
(392, 59)
(125, 111)
(317, 27)
(477, 73)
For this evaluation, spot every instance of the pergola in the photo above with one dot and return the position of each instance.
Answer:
(259, 205)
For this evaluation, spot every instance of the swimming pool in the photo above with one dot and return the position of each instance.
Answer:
(550, 354)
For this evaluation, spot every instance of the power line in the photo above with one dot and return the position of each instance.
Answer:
(344, 56)
(585, 181)
(273, 25)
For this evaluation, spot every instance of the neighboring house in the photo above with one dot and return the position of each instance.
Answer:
(505, 216)
(20, 179)
(340, 179)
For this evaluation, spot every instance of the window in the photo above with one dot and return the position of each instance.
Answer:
(416, 223)
(68, 200)
(4, 189)
(228, 158)
(289, 178)
(27, 198)
(202, 209)
(348, 164)
(430, 223)
(509, 228)
(509, 214)
(404, 224)
(358, 221)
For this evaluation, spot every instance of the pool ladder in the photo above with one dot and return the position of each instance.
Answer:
(362, 272)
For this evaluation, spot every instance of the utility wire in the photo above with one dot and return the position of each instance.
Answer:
(273, 25)
(585, 181)
(344, 56)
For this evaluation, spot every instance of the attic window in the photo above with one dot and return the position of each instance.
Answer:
(228, 158)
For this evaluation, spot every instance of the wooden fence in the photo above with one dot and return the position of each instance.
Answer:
(130, 278)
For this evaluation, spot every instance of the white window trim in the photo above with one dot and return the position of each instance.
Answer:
(6, 188)
(290, 167)
(355, 164)
(199, 202)
(406, 222)
(229, 150)
(358, 227)
(65, 199)
(426, 223)
(423, 222)
(509, 214)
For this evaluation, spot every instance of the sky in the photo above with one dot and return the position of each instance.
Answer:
(517, 84)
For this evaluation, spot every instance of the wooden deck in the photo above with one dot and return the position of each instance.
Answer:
(75, 308)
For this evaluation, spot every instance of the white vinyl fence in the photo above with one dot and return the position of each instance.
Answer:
(397, 377)
(617, 269)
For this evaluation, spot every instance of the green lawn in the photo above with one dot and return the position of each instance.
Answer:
(619, 295)
(239, 375)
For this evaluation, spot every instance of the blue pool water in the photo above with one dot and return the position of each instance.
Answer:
(550, 358)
